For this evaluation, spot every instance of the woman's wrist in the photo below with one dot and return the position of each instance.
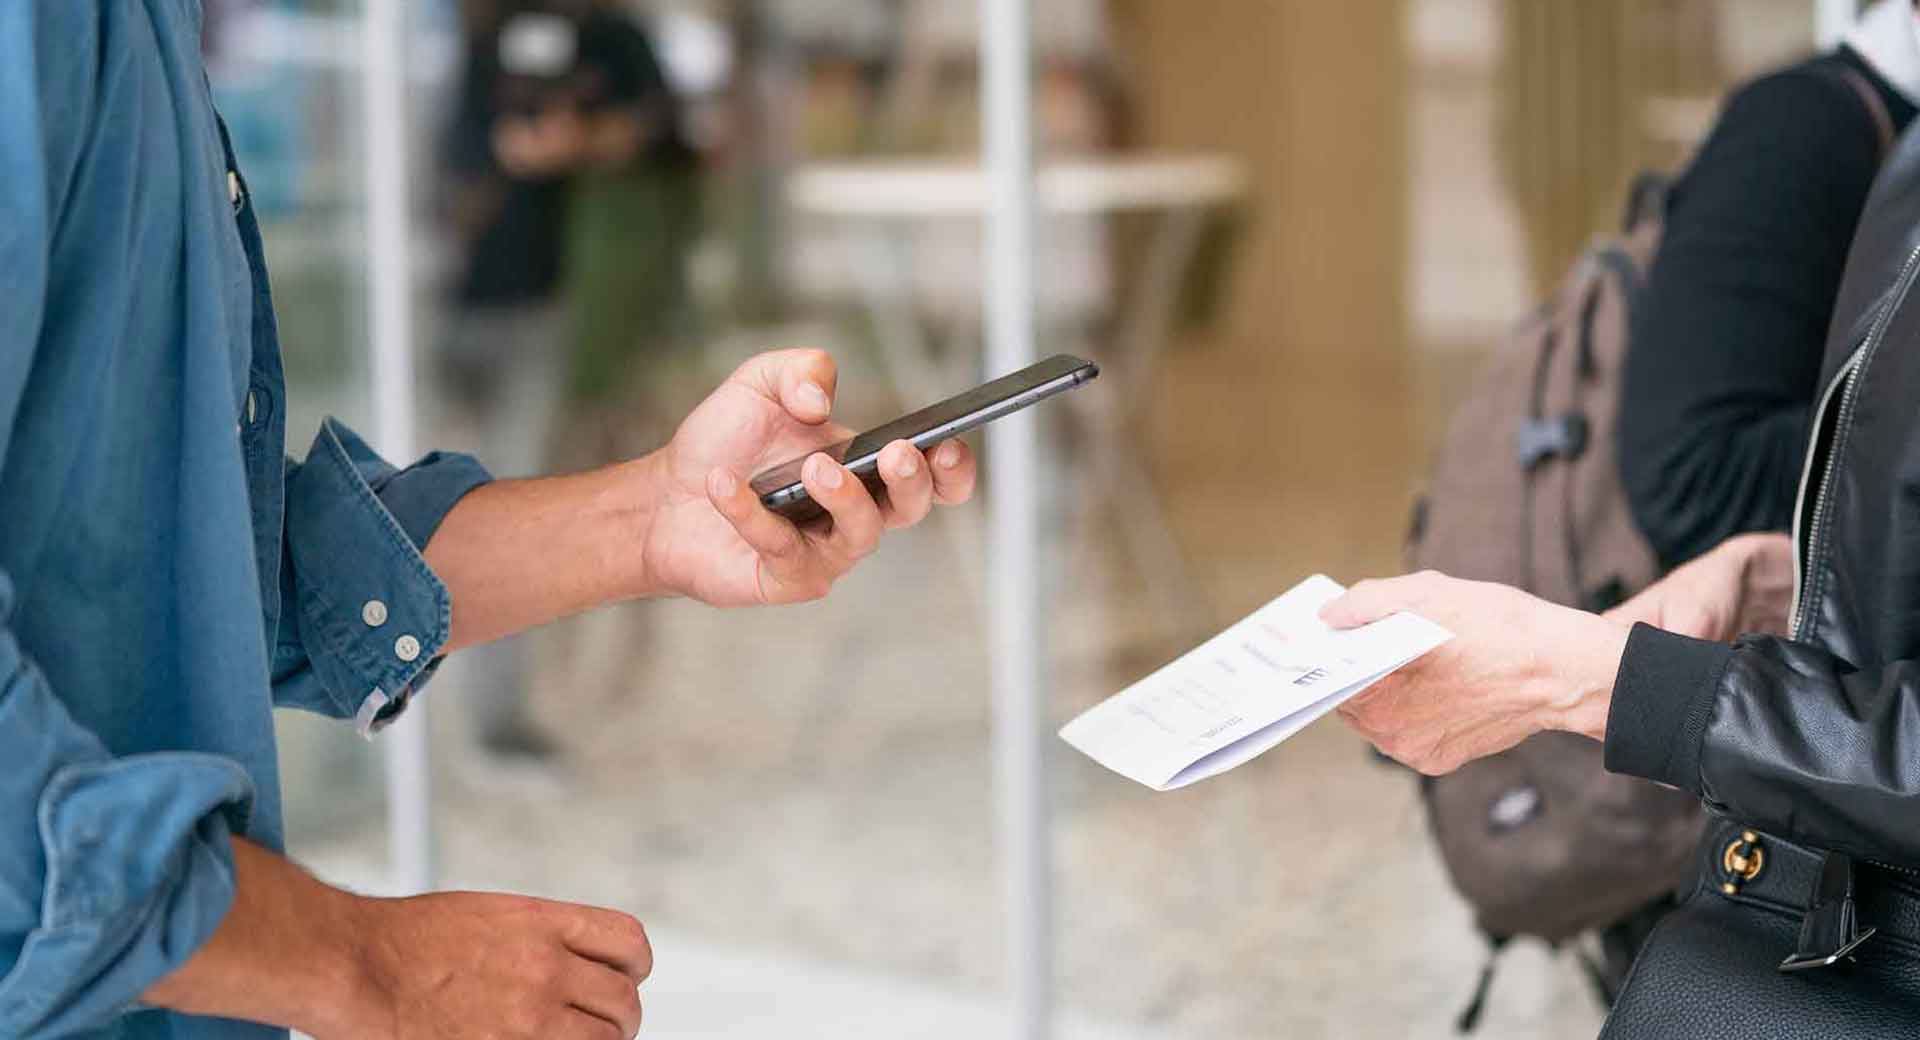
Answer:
(1580, 693)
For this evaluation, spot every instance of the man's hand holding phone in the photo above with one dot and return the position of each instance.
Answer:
(710, 538)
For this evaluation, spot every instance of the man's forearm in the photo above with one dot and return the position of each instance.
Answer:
(685, 519)
(293, 952)
(284, 955)
(515, 554)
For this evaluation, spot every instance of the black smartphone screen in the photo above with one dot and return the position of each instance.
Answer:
(780, 489)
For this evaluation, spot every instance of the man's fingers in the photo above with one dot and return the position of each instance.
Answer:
(772, 536)
(581, 1025)
(909, 484)
(612, 938)
(803, 381)
(607, 995)
(954, 473)
(856, 517)
(1369, 601)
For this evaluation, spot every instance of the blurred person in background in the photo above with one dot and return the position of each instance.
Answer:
(563, 156)
(631, 220)
(1724, 360)
(168, 576)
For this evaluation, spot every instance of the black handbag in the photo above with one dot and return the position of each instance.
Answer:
(1714, 966)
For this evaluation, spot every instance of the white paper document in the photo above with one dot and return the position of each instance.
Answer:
(1246, 689)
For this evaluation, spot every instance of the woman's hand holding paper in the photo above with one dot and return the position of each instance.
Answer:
(1517, 665)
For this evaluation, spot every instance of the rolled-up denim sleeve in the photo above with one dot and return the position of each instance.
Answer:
(364, 619)
(112, 870)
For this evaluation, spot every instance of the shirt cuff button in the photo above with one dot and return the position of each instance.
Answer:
(406, 648)
(374, 613)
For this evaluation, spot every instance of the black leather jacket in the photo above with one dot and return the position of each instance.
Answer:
(1816, 739)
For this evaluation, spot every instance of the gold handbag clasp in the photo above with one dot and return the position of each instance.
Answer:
(1743, 860)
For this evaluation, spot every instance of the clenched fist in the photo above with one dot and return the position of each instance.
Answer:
(474, 965)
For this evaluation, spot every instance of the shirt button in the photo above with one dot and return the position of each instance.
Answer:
(406, 648)
(374, 613)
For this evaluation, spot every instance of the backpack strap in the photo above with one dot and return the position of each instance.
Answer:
(1646, 200)
(1469, 1017)
(1875, 105)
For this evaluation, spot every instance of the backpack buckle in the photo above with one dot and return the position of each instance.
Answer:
(1540, 439)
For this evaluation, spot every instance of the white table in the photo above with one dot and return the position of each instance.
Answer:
(875, 211)
(887, 190)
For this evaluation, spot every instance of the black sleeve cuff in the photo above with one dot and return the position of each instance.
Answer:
(1661, 700)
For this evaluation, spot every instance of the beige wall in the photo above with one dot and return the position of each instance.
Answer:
(1298, 395)
(1311, 96)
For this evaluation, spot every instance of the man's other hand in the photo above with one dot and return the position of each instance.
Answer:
(471, 964)
(709, 537)
(294, 952)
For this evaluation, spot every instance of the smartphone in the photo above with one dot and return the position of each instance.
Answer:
(780, 489)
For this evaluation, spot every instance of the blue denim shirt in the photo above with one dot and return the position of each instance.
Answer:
(167, 575)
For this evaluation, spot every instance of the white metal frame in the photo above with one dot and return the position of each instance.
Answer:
(1015, 617)
(405, 746)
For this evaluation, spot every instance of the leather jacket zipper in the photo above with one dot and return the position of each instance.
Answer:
(1847, 383)
(1801, 514)
(1847, 380)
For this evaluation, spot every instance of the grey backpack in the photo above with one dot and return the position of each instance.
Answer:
(1526, 490)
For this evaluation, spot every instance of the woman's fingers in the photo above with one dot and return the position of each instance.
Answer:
(1369, 601)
